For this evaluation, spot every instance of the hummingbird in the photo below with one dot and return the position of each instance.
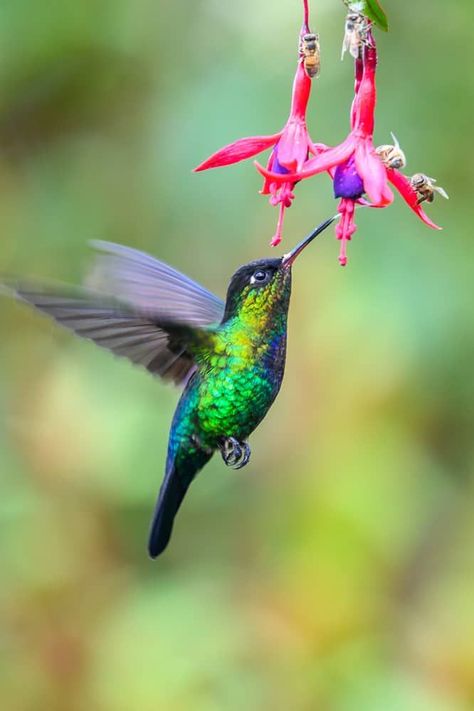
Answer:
(229, 356)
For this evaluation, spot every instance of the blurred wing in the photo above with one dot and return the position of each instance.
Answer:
(150, 286)
(125, 333)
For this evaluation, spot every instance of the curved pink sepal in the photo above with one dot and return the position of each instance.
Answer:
(373, 173)
(402, 184)
(293, 145)
(322, 162)
(239, 150)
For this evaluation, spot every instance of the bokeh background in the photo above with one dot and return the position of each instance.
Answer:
(336, 571)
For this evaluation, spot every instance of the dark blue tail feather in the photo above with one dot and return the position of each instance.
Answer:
(180, 473)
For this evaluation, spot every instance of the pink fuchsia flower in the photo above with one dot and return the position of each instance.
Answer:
(354, 165)
(358, 146)
(291, 147)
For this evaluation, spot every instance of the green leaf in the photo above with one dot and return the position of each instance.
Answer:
(375, 13)
(371, 9)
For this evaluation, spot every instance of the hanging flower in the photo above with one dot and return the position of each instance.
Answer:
(291, 146)
(355, 165)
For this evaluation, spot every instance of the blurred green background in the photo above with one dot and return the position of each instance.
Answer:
(336, 571)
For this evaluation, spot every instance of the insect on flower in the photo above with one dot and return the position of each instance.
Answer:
(425, 188)
(292, 146)
(357, 150)
(310, 50)
(355, 165)
(356, 33)
(392, 156)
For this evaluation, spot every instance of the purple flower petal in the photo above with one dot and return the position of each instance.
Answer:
(277, 167)
(347, 181)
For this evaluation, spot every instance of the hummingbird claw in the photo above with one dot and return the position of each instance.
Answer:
(234, 453)
(244, 457)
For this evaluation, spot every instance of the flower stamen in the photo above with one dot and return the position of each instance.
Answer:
(346, 227)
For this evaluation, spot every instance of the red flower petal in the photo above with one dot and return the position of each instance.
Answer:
(277, 237)
(346, 227)
(293, 145)
(300, 93)
(373, 173)
(403, 185)
(239, 150)
(317, 148)
(322, 162)
(363, 108)
(267, 183)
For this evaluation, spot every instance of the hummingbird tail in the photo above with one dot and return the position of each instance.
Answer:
(180, 472)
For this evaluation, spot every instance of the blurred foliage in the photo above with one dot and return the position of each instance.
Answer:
(336, 571)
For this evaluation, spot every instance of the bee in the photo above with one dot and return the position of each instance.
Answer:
(309, 49)
(392, 156)
(355, 35)
(424, 188)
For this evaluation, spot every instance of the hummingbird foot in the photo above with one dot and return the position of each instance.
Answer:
(234, 453)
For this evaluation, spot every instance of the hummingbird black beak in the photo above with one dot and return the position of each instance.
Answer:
(290, 257)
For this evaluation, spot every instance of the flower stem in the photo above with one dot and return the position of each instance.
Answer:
(305, 28)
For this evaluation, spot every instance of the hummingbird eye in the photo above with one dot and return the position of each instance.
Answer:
(259, 277)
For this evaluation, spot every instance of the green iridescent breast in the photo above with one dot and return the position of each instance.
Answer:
(240, 368)
(241, 378)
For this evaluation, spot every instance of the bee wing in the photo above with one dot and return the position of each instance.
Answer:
(441, 191)
(345, 44)
(354, 46)
(395, 140)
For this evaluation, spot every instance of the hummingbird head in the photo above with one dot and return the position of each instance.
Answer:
(264, 286)
(257, 287)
